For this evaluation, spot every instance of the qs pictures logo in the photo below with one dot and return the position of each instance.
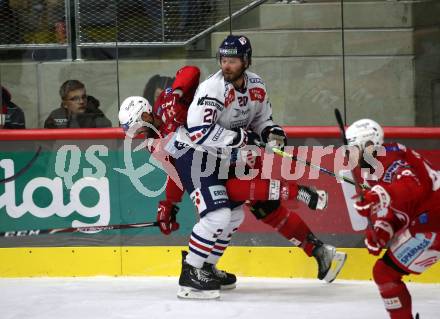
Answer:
(157, 161)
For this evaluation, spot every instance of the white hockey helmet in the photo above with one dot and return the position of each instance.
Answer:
(361, 132)
(131, 111)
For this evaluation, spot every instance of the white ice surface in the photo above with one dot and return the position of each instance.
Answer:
(155, 297)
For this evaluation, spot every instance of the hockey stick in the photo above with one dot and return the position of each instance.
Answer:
(307, 163)
(23, 169)
(341, 125)
(356, 223)
(50, 231)
(345, 141)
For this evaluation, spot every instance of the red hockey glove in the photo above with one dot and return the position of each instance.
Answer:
(378, 236)
(383, 231)
(166, 216)
(175, 112)
(372, 202)
(371, 244)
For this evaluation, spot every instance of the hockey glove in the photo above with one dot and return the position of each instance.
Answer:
(378, 236)
(373, 202)
(240, 140)
(166, 216)
(371, 244)
(174, 112)
(253, 138)
(274, 136)
(383, 231)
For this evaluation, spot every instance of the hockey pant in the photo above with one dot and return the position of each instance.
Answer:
(242, 190)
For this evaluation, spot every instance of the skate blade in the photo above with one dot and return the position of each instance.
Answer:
(338, 262)
(191, 293)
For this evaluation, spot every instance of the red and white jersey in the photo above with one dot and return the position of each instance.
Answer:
(171, 108)
(415, 254)
(413, 187)
(408, 178)
(218, 108)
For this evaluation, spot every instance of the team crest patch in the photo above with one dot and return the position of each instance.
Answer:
(230, 97)
(257, 94)
(242, 40)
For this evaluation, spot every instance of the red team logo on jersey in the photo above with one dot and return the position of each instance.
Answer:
(257, 94)
(230, 97)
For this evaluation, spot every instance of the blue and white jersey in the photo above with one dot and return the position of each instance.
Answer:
(218, 108)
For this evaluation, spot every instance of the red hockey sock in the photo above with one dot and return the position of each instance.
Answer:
(393, 291)
(291, 226)
(260, 189)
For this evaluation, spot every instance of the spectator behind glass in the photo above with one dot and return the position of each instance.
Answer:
(11, 115)
(77, 110)
(155, 85)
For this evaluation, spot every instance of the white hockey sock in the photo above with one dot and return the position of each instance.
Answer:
(205, 234)
(222, 242)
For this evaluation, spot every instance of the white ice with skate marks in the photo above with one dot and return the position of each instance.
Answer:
(155, 298)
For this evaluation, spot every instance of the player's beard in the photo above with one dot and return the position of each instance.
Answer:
(234, 76)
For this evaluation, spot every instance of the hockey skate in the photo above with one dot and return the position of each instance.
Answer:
(314, 199)
(330, 262)
(227, 280)
(196, 283)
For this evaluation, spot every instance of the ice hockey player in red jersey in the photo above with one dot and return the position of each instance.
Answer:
(168, 113)
(404, 192)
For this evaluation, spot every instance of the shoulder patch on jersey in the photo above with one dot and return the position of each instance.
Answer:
(229, 97)
(256, 80)
(388, 175)
(393, 148)
(257, 94)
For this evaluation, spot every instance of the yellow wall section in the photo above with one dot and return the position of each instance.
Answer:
(165, 261)
(59, 261)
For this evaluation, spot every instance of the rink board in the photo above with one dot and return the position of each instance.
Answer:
(76, 182)
(283, 262)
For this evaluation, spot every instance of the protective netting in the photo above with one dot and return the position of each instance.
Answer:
(137, 21)
(95, 22)
(32, 22)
